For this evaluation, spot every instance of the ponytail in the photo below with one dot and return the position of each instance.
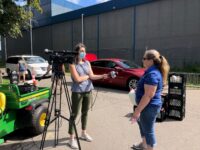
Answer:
(160, 61)
(164, 69)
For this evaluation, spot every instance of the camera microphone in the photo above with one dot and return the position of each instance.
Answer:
(113, 74)
(63, 52)
(48, 51)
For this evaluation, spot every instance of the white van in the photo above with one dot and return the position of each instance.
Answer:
(35, 64)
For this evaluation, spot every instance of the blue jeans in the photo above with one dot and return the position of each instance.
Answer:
(146, 123)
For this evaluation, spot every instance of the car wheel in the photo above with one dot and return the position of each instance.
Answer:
(132, 83)
(38, 120)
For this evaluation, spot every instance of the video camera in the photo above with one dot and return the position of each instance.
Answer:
(61, 57)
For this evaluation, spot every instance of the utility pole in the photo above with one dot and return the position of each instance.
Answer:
(82, 27)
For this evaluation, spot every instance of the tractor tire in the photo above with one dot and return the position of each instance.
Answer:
(38, 120)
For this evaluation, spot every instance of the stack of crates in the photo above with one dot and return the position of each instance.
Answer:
(176, 96)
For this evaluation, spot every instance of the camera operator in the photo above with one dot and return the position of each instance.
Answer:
(82, 74)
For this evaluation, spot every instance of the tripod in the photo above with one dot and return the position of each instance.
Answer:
(58, 77)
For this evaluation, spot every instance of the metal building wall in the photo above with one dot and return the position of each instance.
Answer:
(62, 36)
(91, 34)
(42, 39)
(76, 31)
(115, 34)
(19, 46)
(66, 35)
(172, 27)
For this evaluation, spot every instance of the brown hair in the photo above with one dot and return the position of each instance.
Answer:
(77, 48)
(160, 61)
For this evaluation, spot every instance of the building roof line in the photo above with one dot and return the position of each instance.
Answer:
(94, 10)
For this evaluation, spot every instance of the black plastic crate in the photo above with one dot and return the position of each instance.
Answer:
(174, 96)
(175, 78)
(177, 114)
(179, 85)
(176, 90)
(177, 102)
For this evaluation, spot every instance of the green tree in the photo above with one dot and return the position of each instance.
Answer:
(14, 18)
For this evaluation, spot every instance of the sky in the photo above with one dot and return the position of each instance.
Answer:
(83, 3)
(20, 2)
(87, 2)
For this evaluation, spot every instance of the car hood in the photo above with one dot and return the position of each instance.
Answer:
(38, 65)
(138, 71)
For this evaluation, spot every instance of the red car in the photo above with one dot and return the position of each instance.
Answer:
(127, 73)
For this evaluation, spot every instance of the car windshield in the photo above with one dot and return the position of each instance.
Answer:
(127, 64)
(34, 60)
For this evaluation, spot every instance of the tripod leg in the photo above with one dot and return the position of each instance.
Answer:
(67, 94)
(60, 107)
(49, 111)
(72, 120)
(58, 110)
(56, 128)
(58, 113)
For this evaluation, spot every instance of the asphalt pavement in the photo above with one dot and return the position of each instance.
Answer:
(109, 124)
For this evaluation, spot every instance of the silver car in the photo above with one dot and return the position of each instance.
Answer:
(35, 64)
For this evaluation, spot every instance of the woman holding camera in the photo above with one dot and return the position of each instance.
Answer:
(82, 87)
(148, 97)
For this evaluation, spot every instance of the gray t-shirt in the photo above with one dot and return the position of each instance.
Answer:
(85, 86)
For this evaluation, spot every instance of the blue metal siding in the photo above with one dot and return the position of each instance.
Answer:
(95, 10)
(98, 9)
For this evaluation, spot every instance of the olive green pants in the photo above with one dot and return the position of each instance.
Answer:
(78, 100)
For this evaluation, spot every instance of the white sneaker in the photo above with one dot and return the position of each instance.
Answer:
(73, 144)
(86, 137)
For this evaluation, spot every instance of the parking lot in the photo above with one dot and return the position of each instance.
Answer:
(111, 129)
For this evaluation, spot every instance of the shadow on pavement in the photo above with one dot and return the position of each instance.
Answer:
(33, 145)
(129, 115)
(18, 141)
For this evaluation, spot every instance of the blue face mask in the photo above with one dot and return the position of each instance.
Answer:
(82, 55)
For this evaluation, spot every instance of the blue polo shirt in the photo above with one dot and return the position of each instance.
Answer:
(152, 76)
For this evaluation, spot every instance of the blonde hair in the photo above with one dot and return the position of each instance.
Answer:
(160, 61)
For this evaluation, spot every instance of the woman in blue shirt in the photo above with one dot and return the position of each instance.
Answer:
(82, 87)
(148, 97)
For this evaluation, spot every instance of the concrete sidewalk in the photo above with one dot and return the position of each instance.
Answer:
(111, 129)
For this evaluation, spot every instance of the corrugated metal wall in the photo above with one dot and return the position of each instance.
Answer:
(171, 26)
